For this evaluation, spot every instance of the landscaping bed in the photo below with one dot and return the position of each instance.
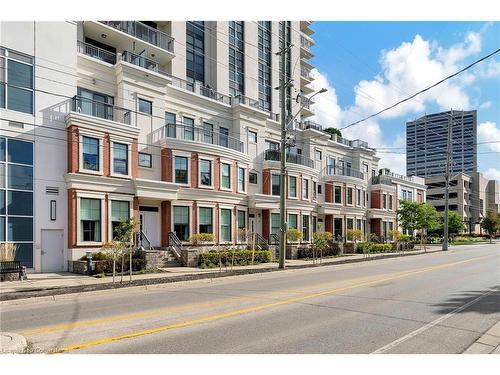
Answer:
(210, 259)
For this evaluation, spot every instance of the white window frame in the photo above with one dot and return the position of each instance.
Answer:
(358, 194)
(91, 195)
(244, 167)
(98, 136)
(112, 141)
(212, 170)
(273, 173)
(242, 208)
(309, 186)
(341, 195)
(147, 99)
(214, 210)
(182, 204)
(230, 163)
(386, 204)
(115, 197)
(256, 136)
(230, 208)
(353, 200)
(185, 155)
(144, 153)
(296, 187)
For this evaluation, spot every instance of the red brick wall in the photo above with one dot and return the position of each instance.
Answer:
(165, 222)
(376, 226)
(234, 176)
(194, 218)
(194, 169)
(217, 174)
(344, 194)
(266, 224)
(329, 223)
(329, 192)
(135, 207)
(73, 149)
(376, 199)
(166, 165)
(72, 225)
(216, 223)
(266, 182)
(106, 155)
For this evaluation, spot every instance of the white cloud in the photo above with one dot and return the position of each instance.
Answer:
(492, 174)
(490, 70)
(328, 112)
(485, 105)
(489, 132)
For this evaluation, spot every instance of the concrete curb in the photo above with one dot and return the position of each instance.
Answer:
(51, 293)
(488, 343)
(12, 343)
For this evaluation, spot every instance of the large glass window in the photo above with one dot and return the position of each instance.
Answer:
(16, 197)
(338, 194)
(236, 58)
(223, 136)
(90, 220)
(226, 176)
(275, 224)
(145, 160)
(16, 81)
(349, 195)
(195, 51)
(181, 222)
(384, 201)
(275, 184)
(358, 197)
(145, 106)
(241, 179)
(205, 224)
(90, 153)
(242, 225)
(208, 133)
(292, 221)
(292, 187)
(120, 158)
(305, 227)
(286, 26)
(390, 201)
(95, 104)
(205, 172)
(181, 170)
(225, 225)
(264, 44)
(171, 124)
(188, 128)
(305, 188)
(120, 211)
(337, 227)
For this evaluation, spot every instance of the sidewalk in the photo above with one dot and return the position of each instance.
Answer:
(488, 343)
(45, 284)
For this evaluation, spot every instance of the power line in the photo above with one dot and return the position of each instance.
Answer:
(423, 90)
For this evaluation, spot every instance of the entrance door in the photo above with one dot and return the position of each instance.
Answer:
(52, 250)
(149, 218)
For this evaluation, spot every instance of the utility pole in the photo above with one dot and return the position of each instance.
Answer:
(447, 183)
(283, 85)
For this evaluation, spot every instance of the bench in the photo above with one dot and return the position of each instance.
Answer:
(13, 266)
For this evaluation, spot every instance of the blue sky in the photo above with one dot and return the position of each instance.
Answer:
(369, 65)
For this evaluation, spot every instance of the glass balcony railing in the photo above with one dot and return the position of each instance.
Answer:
(141, 61)
(311, 125)
(335, 170)
(275, 155)
(381, 179)
(144, 32)
(96, 52)
(202, 135)
(100, 109)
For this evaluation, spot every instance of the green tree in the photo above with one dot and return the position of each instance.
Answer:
(491, 223)
(125, 232)
(427, 220)
(320, 242)
(408, 215)
(333, 131)
(455, 223)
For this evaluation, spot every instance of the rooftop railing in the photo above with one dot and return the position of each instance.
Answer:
(381, 179)
(311, 125)
(197, 88)
(141, 61)
(343, 171)
(144, 32)
(275, 155)
(100, 109)
(96, 52)
(202, 135)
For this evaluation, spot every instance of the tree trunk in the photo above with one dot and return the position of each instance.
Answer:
(114, 268)
(121, 273)
(422, 242)
(130, 261)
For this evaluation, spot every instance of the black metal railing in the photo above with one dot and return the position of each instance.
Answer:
(141, 241)
(141, 61)
(175, 242)
(100, 109)
(241, 99)
(260, 241)
(381, 179)
(274, 239)
(306, 44)
(197, 88)
(311, 125)
(96, 52)
(275, 155)
(305, 73)
(144, 32)
(202, 135)
(343, 171)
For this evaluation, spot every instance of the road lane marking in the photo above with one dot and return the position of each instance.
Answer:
(257, 308)
(431, 324)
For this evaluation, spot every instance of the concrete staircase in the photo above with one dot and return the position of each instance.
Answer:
(161, 257)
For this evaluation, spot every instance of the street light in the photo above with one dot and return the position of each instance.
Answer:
(284, 127)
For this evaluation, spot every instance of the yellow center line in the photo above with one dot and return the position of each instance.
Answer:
(257, 308)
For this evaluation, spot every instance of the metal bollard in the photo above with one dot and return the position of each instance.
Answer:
(89, 263)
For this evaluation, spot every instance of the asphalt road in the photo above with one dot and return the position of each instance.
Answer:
(433, 303)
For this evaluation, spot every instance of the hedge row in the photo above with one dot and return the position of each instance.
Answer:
(106, 266)
(371, 247)
(241, 258)
(307, 252)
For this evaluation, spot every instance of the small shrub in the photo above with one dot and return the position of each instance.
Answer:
(374, 247)
(8, 252)
(210, 259)
(97, 256)
(293, 235)
(200, 238)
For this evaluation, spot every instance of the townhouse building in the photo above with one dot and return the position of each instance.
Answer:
(174, 124)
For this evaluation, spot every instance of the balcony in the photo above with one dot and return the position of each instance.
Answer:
(96, 52)
(381, 179)
(143, 32)
(305, 48)
(306, 74)
(201, 135)
(310, 125)
(102, 110)
(334, 170)
(141, 61)
(275, 155)
(197, 88)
